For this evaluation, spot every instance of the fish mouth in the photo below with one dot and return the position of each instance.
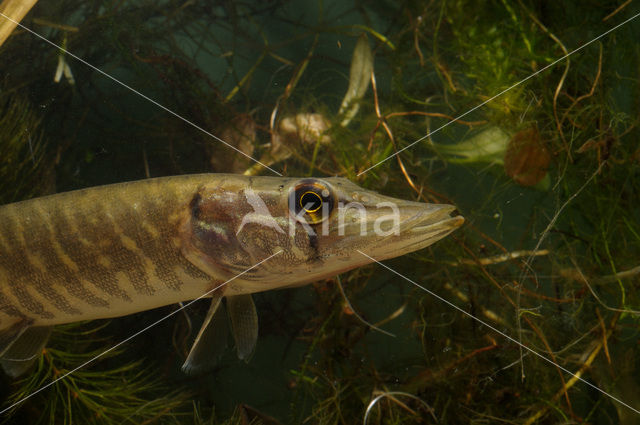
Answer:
(424, 226)
(391, 230)
(438, 218)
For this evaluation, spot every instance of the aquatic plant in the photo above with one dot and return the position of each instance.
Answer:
(94, 394)
(555, 269)
(523, 155)
(22, 149)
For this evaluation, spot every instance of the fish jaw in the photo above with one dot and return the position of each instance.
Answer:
(420, 226)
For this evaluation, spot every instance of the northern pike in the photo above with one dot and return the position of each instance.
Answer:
(119, 249)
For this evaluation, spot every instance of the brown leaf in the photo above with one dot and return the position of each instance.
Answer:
(526, 159)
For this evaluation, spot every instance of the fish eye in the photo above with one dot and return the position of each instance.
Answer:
(311, 201)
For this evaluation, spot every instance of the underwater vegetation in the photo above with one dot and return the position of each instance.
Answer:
(116, 394)
(22, 171)
(521, 113)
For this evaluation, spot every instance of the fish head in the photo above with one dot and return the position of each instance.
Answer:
(309, 228)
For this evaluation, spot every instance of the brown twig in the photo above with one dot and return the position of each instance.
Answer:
(382, 121)
(590, 354)
(587, 95)
(618, 9)
(437, 115)
(555, 363)
(562, 79)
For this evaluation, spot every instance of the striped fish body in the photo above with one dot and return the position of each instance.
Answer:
(115, 250)
(97, 253)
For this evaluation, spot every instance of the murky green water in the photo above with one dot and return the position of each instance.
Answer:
(562, 178)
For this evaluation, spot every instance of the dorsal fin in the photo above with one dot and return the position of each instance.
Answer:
(244, 324)
(211, 340)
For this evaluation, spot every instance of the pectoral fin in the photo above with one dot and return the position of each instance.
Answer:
(11, 334)
(211, 340)
(244, 324)
(21, 355)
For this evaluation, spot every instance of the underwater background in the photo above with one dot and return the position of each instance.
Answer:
(543, 162)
